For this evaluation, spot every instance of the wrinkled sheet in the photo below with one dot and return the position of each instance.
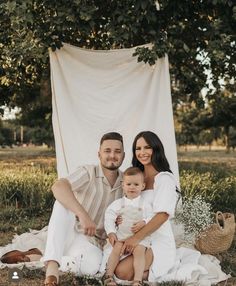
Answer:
(190, 266)
(95, 92)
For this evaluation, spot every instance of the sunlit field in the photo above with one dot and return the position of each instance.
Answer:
(27, 173)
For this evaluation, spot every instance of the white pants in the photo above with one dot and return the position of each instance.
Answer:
(70, 249)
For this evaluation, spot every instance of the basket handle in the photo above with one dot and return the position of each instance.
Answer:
(219, 213)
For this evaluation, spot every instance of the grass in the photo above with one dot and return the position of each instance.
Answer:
(16, 219)
(26, 175)
(36, 278)
(208, 160)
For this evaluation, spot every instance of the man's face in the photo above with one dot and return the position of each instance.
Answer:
(111, 154)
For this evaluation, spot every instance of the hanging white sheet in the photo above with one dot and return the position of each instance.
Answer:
(95, 92)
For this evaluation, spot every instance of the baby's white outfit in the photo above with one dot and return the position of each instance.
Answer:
(132, 211)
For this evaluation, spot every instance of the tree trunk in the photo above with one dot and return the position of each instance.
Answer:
(226, 128)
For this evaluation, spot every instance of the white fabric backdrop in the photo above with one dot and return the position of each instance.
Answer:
(95, 92)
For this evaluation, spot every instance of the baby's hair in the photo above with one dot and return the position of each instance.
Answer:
(131, 171)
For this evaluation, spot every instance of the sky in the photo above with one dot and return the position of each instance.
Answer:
(10, 114)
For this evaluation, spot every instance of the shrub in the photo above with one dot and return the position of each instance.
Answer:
(26, 187)
(219, 191)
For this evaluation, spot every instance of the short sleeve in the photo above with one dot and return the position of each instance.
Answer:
(148, 212)
(78, 178)
(165, 195)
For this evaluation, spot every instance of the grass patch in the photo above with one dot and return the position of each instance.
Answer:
(215, 161)
(34, 152)
(219, 191)
(36, 277)
(228, 260)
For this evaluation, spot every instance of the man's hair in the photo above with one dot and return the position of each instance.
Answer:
(111, 136)
(131, 171)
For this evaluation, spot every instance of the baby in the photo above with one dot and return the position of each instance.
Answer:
(135, 213)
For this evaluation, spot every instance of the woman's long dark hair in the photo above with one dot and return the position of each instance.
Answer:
(159, 160)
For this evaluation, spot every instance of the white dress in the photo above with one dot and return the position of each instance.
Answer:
(164, 198)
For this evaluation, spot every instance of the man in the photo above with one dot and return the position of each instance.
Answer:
(76, 226)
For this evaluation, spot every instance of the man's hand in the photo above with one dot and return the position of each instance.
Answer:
(129, 245)
(87, 224)
(137, 226)
(112, 238)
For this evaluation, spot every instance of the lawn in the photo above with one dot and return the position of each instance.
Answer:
(27, 173)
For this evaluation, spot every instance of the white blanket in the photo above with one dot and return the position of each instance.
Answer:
(95, 92)
(190, 265)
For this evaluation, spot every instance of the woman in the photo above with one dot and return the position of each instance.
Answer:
(149, 156)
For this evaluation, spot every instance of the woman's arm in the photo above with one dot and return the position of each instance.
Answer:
(164, 203)
(148, 229)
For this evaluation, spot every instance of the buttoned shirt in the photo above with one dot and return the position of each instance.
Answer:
(93, 191)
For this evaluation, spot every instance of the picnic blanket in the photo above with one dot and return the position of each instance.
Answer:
(190, 266)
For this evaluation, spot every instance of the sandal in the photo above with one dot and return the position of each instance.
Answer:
(108, 280)
(137, 283)
(51, 281)
(17, 256)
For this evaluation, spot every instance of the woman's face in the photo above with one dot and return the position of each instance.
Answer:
(143, 151)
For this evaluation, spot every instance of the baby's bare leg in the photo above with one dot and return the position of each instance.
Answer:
(114, 258)
(139, 262)
(125, 270)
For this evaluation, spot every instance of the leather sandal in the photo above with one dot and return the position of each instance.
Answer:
(51, 280)
(137, 283)
(108, 280)
(16, 256)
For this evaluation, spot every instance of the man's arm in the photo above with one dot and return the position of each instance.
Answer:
(63, 193)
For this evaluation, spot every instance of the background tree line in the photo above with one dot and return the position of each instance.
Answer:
(198, 36)
(12, 133)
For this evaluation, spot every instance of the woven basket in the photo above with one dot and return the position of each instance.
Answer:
(219, 236)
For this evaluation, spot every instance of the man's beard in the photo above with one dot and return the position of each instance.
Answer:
(112, 167)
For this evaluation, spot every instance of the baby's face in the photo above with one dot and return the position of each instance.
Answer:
(133, 185)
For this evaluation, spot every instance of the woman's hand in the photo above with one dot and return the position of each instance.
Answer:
(137, 226)
(112, 238)
(129, 245)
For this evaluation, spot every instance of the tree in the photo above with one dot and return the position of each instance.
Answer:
(232, 137)
(6, 134)
(39, 136)
(188, 131)
(206, 137)
(197, 35)
(220, 113)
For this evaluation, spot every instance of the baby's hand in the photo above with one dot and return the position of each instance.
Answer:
(119, 220)
(137, 226)
(112, 238)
